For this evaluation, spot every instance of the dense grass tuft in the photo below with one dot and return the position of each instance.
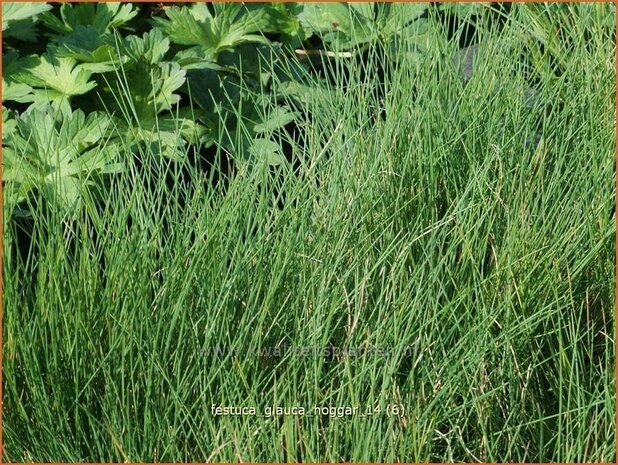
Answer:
(463, 229)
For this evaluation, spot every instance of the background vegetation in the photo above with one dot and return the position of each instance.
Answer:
(433, 181)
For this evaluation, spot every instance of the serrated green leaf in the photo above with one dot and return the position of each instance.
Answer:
(22, 30)
(12, 90)
(283, 19)
(154, 88)
(195, 58)
(86, 45)
(16, 91)
(466, 10)
(183, 28)
(276, 119)
(62, 75)
(339, 24)
(397, 18)
(325, 17)
(214, 91)
(166, 137)
(349, 25)
(54, 80)
(304, 94)
(18, 19)
(146, 86)
(147, 107)
(57, 156)
(231, 25)
(102, 16)
(267, 151)
(171, 78)
(8, 123)
(151, 47)
(252, 59)
(12, 11)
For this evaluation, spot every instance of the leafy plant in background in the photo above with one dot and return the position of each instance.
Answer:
(83, 44)
(230, 64)
(230, 76)
(231, 53)
(223, 57)
(138, 85)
